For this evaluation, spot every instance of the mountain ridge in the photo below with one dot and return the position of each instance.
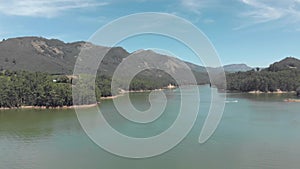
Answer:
(57, 57)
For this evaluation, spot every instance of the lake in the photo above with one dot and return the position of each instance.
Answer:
(256, 132)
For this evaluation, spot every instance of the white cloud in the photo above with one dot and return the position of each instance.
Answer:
(208, 21)
(270, 10)
(196, 5)
(262, 12)
(44, 8)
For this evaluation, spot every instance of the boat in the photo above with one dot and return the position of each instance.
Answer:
(170, 86)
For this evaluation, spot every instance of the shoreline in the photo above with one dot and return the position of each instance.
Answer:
(44, 107)
(77, 106)
(292, 100)
(129, 91)
(278, 91)
(89, 105)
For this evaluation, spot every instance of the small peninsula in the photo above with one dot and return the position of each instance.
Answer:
(279, 77)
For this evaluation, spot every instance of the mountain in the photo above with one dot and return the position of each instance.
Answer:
(53, 56)
(37, 54)
(232, 68)
(236, 68)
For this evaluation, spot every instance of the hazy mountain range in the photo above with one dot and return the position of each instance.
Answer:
(57, 57)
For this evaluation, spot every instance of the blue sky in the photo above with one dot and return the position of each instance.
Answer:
(256, 32)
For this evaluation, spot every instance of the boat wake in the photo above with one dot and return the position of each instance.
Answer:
(231, 101)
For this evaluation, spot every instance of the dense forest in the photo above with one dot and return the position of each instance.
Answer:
(283, 75)
(23, 88)
(33, 89)
(264, 81)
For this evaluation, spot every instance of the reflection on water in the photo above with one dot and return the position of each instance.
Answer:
(257, 132)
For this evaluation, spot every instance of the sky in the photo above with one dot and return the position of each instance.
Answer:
(255, 32)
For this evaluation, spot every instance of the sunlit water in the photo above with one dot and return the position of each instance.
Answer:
(256, 132)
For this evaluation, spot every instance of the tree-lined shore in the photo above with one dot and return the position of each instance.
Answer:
(23, 89)
(283, 76)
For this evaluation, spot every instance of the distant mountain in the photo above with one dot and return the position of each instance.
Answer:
(232, 68)
(236, 68)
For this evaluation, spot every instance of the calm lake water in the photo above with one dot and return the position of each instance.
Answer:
(257, 132)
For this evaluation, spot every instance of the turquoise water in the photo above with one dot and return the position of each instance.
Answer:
(256, 132)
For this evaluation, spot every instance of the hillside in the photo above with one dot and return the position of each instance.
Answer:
(288, 63)
(37, 54)
(53, 56)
